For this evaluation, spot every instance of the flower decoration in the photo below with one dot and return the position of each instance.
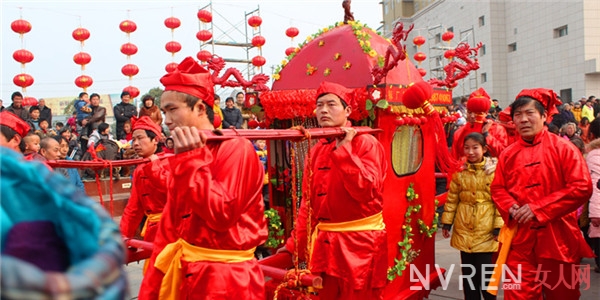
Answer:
(310, 69)
(327, 72)
(275, 237)
(337, 56)
(284, 63)
(321, 43)
(347, 65)
(276, 76)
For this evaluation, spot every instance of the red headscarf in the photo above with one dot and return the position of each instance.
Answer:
(338, 90)
(145, 123)
(545, 96)
(191, 78)
(15, 123)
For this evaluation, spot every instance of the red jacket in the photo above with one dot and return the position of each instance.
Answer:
(551, 176)
(346, 185)
(496, 140)
(214, 201)
(148, 196)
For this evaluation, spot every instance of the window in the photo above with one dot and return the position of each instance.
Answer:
(481, 21)
(451, 29)
(483, 77)
(566, 95)
(561, 31)
(512, 47)
(438, 38)
(407, 150)
(482, 50)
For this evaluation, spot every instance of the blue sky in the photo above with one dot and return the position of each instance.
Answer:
(53, 47)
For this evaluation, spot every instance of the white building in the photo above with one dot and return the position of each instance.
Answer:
(526, 43)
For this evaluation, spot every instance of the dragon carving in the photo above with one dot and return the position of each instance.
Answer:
(217, 64)
(465, 61)
(394, 53)
(348, 15)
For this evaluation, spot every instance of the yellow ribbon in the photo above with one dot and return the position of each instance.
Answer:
(374, 222)
(154, 218)
(169, 262)
(506, 235)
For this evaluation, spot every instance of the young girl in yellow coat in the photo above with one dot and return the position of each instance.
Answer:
(475, 217)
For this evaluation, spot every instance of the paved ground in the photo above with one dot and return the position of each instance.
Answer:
(445, 256)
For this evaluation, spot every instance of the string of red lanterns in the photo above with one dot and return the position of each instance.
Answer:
(420, 41)
(23, 56)
(204, 35)
(257, 41)
(82, 58)
(129, 49)
(172, 46)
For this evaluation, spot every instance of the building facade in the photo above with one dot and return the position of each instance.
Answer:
(526, 44)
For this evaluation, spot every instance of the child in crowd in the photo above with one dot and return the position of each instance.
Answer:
(34, 118)
(58, 126)
(128, 131)
(32, 144)
(72, 123)
(476, 220)
(169, 146)
(261, 149)
(44, 131)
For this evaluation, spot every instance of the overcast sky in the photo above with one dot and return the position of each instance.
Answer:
(53, 46)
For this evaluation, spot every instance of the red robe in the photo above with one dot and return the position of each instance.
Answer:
(214, 201)
(347, 185)
(551, 176)
(148, 196)
(496, 140)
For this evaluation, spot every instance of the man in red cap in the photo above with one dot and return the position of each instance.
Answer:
(214, 216)
(478, 105)
(13, 130)
(149, 192)
(540, 181)
(348, 245)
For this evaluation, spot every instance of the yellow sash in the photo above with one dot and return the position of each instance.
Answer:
(154, 218)
(374, 222)
(169, 262)
(506, 235)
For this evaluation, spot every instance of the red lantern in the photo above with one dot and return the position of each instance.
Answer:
(173, 47)
(23, 80)
(290, 50)
(20, 26)
(204, 55)
(447, 36)
(29, 101)
(449, 54)
(204, 35)
(23, 56)
(258, 61)
(130, 70)
(128, 26)
(292, 32)
(82, 58)
(133, 91)
(255, 21)
(420, 56)
(205, 16)
(129, 49)
(171, 67)
(419, 40)
(172, 23)
(416, 95)
(81, 34)
(84, 81)
(422, 71)
(258, 41)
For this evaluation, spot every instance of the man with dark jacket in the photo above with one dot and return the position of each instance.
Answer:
(17, 106)
(123, 112)
(45, 111)
(232, 116)
(98, 114)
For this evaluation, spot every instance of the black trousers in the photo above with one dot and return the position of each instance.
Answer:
(473, 287)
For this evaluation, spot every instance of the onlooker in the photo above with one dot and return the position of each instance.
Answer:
(232, 116)
(588, 111)
(151, 110)
(98, 114)
(476, 220)
(32, 144)
(540, 182)
(1, 106)
(261, 150)
(591, 230)
(74, 149)
(584, 126)
(577, 111)
(44, 130)
(70, 173)
(83, 110)
(123, 112)
(128, 131)
(218, 111)
(72, 123)
(50, 148)
(45, 111)
(58, 127)
(34, 118)
(169, 146)
(17, 106)
(101, 133)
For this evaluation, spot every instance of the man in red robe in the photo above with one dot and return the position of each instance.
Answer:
(478, 105)
(214, 216)
(149, 192)
(540, 182)
(345, 194)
